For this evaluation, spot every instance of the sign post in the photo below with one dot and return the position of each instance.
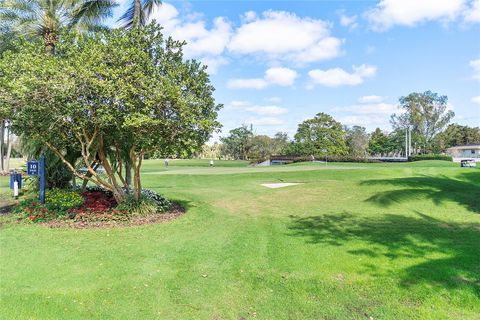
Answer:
(42, 179)
(32, 168)
(37, 168)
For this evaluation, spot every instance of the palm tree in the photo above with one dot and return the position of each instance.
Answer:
(46, 18)
(138, 12)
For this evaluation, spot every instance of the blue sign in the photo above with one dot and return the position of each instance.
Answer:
(33, 168)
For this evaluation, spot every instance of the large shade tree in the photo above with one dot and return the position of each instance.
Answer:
(320, 135)
(238, 143)
(106, 93)
(426, 114)
(357, 141)
(47, 18)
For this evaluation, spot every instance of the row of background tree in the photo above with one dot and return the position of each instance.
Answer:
(425, 114)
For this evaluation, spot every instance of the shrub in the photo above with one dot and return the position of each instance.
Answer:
(61, 201)
(420, 157)
(33, 211)
(162, 203)
(333, 158)
(140, 207)
(98, 201)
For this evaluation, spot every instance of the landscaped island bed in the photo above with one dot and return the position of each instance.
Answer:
(350, 241)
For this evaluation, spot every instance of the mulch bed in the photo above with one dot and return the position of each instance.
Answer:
(156, 218)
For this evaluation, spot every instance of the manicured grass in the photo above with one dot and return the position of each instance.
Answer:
(387, 241)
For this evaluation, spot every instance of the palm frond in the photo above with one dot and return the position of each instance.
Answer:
(93, 11)
(127, 17)
(147, 7)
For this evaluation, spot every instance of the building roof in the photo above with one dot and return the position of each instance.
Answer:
(466, 146)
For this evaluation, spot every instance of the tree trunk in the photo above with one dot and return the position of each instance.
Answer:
(137, 186)
(89, 175)
(137, 7)
(117, 190)
(128, 175)
(50, 38)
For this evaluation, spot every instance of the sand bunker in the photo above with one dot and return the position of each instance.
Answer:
(278, 185)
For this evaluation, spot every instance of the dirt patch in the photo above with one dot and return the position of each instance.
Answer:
(5, 205)
(174, 213)
(279, 185)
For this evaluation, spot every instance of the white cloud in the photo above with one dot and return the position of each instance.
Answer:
(349, 21)
(255, 83)
(368, 121)
(270, 110)
(475, 64)
(205, 44)
(370, 99)
(472, 14)
(338, 77)
(274, 99)
(388, 13)
(285, 36)
(274, 76)
(280, 76)
(475, 99)
(370, 109)
(370, 112)
(272, 35)
(214, 63)
(249, 16)
(265, 121)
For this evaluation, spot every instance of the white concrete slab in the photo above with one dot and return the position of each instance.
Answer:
(279, 185)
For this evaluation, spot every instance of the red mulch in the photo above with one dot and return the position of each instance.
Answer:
(174, 213)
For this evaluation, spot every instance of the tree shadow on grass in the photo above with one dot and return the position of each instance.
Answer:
(465, 190)
(406, 240)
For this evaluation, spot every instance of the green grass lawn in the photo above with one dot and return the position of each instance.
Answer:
(353, 241)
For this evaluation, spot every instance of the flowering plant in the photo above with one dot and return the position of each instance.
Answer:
(32, 211)
(61, 201)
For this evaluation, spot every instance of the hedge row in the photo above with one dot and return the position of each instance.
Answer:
(336, 159)
(420, 157)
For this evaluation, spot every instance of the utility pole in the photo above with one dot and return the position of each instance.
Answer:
(409, 141)
(406, 143)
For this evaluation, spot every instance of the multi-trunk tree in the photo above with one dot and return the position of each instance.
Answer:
(425, 114)
(110, 95)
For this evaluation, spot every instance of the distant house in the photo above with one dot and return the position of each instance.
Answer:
(465, 152)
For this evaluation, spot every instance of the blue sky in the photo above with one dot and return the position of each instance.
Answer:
(277, 63)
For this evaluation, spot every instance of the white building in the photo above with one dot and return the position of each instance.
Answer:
(466, 152)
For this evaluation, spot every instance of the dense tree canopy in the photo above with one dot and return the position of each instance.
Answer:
(456, 135)
(318, 134)
(238, 142)
(110, 94)
(357, 141)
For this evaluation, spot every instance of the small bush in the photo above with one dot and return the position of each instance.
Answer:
(140, 207)
(32, 211)
(162, 203)
(61, 201)
(420, 157)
